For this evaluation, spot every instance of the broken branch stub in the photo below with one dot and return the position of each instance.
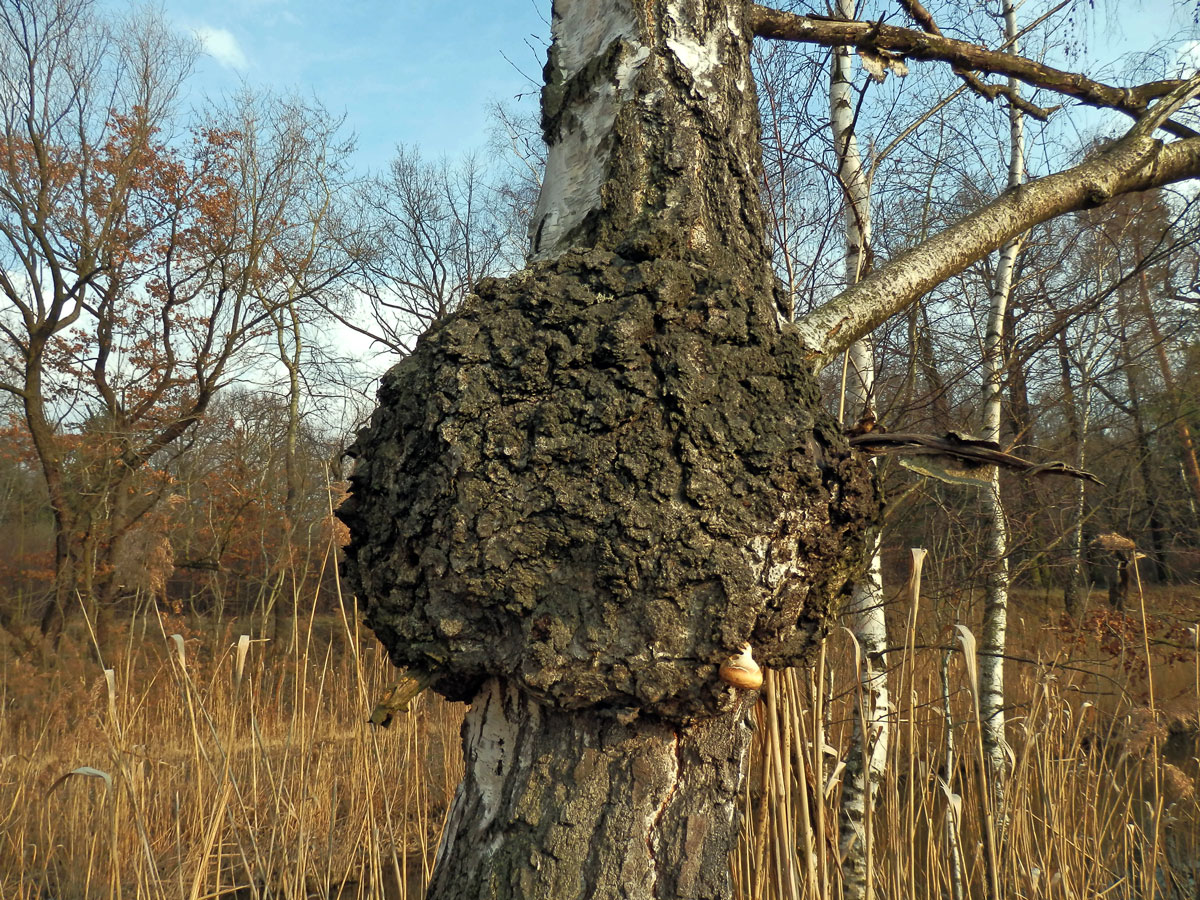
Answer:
(606, 474)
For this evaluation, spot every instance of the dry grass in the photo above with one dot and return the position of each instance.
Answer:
(1101, 795)
(193, 783)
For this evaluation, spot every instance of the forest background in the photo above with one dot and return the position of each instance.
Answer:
(198, 295)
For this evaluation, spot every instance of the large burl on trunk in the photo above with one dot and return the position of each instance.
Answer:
(604, 475)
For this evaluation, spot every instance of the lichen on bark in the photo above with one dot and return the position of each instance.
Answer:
(599, 479)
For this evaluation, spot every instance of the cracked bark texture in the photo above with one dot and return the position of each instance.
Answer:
(599, 480)
(562, 805)
(605, 474)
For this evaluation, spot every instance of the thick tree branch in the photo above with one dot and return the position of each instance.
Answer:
(1134, 163)
(909, 43)
(922, 17)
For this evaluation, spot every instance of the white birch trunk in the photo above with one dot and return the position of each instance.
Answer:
(577, 165)
(607, 762)
(868, 754)
(995, 616)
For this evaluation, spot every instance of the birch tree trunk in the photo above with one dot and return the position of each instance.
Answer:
(603, 476)
(865, 612)
(995, 614)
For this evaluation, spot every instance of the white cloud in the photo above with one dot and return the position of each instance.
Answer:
(221, 45)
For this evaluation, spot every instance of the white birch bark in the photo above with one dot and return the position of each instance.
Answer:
(868, 755)
(577, 165)
(995, 615)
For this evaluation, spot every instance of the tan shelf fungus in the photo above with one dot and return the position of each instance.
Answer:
(742, 671)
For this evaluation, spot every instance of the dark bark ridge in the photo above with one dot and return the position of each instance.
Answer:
(598, 480)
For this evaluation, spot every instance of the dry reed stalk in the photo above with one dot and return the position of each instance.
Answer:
(1150, 885)
(953, 801)
(983, 787)
(250, 783)
(780, 768)
(917, 562)
(819, 743)
(796, 727)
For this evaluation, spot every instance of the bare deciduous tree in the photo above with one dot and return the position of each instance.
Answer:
(430, 231)
(137, 269)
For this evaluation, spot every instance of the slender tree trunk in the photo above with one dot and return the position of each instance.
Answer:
(865, 613)
(289, 341)
(1145, 464)
(1186, 444)
(938, 395)
(995, 615)
(67, 550)
(1078, 411)
(1017, 412)
(90, 503)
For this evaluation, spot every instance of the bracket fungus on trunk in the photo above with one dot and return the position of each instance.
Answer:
(606, 474)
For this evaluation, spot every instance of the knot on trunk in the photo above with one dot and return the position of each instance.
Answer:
(600, 479)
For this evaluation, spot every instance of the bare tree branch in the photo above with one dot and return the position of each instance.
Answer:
(1134, 163)
(922, 17)
(907, 42)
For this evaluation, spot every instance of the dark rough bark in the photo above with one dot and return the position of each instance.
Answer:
(599, 480)
(559, 805)
(602, 476)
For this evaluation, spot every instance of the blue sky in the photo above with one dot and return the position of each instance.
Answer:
(425, 73)
(402, 71)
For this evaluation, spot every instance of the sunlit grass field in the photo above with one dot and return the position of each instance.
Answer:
(197, 760)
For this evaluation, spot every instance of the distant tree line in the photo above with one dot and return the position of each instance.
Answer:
(179, 293)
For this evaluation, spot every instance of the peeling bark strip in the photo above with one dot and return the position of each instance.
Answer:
(563, 806)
